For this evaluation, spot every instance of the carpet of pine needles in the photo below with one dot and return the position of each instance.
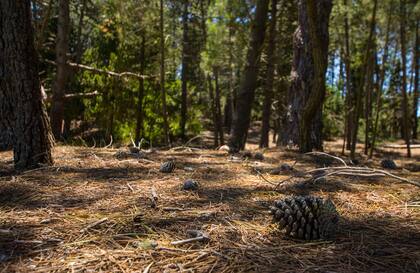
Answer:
(45, 215)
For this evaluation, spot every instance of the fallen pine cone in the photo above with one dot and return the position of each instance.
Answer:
(388, 164)
(189, 185)
(306, 217)
(167, 167)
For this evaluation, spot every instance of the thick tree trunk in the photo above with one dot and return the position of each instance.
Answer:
(362, 83)
(268, 88)
(406, 119)
(21, 106)
(61, 49)
(416, 81)
(248, 83)
(184, 71)
(162, 76)
(140, 95)
(303, 125)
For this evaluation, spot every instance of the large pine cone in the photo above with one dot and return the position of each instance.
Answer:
(388, 164)
(167, 167)
(306, 217)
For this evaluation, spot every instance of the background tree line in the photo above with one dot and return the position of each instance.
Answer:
(167, 70)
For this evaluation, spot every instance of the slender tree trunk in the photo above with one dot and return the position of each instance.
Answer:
(22, 110)
(268, 88)
(162, 77)
(368, 101)
(229, 98)
(416, 80)
(363, 79)
(40, 32)
(406, 120)
(61, 49)
(140, 95)
(381, 82)
(248, 83)
(219, 122)
(349, 92)
(79, 43)
(184, 71)
(213, 112)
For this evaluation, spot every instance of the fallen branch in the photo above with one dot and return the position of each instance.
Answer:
(94, 224)
(328, 155)
(361, 171)
(147, 269)
(130, 187)
(198, 237)
(110, 143)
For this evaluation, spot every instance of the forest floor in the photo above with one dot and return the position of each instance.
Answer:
(49, 217)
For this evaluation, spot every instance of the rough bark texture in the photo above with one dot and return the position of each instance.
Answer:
(21, 106)
(61, 49)
(268, 88)
(303, 125)
(6, 141)
(248, 83)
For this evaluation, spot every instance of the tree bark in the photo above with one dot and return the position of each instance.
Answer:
(416, 81)
(406, 120)
(229, 106)
(184, 71)
(318, 19)
(140, 95)
(245, 98)
(213, 111)
(368, 100)
(218, 107)
(21, 106)
(303, 125)
(61, 49)
(268, 88)
(349, 92)
(162, 77)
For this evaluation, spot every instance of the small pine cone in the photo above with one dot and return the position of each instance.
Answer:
(388, 164)
(246, 155)
(259, 156)
(167, 167)
(190, 185)
(306, 217)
